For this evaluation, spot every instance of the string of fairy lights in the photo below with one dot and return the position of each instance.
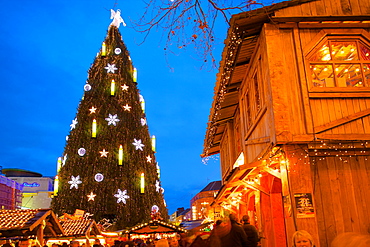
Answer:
(234, 42)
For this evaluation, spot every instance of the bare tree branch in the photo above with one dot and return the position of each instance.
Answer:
(189, 23)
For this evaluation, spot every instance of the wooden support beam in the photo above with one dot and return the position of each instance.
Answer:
(255, 187)
(347, 137)
(255, 141)
(341, 121)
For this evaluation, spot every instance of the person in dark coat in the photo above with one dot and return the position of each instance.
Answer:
(251, 231)
(236, 236)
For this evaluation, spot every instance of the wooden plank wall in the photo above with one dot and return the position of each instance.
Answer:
(258, 138)
(326, 110)
(327, 7)
(288, 101)
(299, 180)
(341, 189)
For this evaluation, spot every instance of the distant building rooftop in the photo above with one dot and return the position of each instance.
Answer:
(14, 172)
(215, 185)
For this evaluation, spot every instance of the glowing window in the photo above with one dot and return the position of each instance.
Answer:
(340, 63)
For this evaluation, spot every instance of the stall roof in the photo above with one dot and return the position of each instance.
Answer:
(25, 222)
(155, 226)
(80, 227)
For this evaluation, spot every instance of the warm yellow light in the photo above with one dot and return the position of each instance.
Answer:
(158, 171)
(120, 155)
(142, 183)
(135, 75)
(56, 185)
(153, 143)
(94, 129)
(59, 164)
(103, 49)
(112, 87)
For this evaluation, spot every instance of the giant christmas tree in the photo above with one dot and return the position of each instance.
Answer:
(108, 168)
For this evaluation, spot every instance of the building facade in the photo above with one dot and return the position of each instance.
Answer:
(200, 204)
(10, 194)
(291, 119)
(37, 190)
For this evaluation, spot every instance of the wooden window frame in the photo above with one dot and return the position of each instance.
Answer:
(335, 37)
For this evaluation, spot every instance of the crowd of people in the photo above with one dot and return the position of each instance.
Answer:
(230, 233)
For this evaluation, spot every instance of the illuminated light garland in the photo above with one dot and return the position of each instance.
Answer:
(93, 134)
(227, 69)
(142, 102)
(120, 155)
(56, 185)
(153, 143)
(59, 164)
(134, 75)
(158, 171)
(104, 49)
(142, 183)
(112, 87)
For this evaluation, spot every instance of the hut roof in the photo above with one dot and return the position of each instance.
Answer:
(25, 222)
(80, 227)
(155, 226)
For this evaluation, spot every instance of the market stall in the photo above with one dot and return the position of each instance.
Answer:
(155, 229)
(29, 223)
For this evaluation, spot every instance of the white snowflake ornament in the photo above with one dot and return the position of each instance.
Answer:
(74, 182)
(112, 119)
(73, 124)
(138, 145)
(121, 196)
(111, 68)
(64, 159)
(143, 121)
(157, 186)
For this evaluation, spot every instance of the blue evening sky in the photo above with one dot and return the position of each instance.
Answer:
(46, 49)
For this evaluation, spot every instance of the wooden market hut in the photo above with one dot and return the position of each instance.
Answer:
(291, 119)
(29, 223)
(155, 226)
(80, 227)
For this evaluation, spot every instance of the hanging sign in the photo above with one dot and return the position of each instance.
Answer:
(304, 205)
